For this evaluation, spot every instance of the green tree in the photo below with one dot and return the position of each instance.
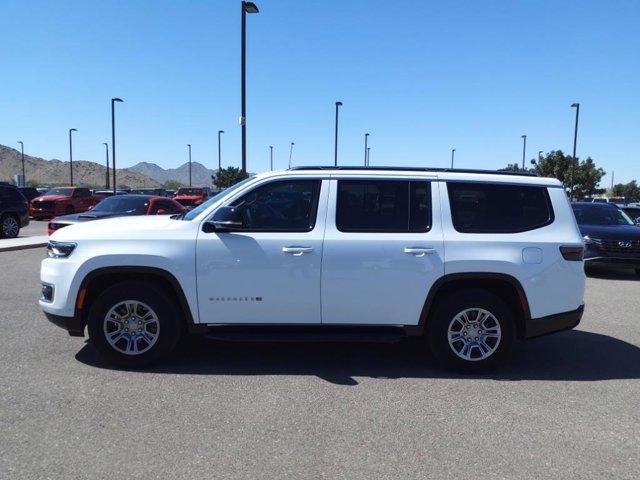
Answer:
(172, 185)
(227, 177)
(631, 191)
(558, 165)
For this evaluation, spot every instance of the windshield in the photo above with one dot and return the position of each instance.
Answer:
(189, 191)
(121, 204)
(600, 215)
(67, 192)
(198, 210)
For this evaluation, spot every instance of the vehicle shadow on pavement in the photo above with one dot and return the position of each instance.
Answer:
(569, 356)
(612, 274)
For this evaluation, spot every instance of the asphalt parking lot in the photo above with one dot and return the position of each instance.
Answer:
(567, 405)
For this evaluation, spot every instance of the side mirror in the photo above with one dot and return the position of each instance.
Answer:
(638, 221)
(224, 220)
(161, 211)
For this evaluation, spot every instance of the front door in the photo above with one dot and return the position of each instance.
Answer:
(268, 272)
(383, 250)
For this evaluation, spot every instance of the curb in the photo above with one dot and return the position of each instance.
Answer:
(22, 247)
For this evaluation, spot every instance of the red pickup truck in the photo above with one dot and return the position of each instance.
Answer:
(62, 201)
(190, 197)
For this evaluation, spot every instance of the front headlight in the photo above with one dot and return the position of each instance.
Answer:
(60, 249)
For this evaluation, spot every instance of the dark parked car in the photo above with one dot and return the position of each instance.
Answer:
(29, 193)
(611, 237)
(157, 192)
(14, 211)
(120, 206)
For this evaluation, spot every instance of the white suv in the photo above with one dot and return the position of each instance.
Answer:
(469, 260)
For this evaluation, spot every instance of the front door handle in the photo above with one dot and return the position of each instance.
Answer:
(419, 251)
(297, 251)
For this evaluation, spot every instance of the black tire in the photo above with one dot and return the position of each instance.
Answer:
(70, 210)
(159, 301)
(9, 226)
(448, 308)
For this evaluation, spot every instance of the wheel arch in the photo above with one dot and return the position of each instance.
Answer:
(507, 287)
(97, 280)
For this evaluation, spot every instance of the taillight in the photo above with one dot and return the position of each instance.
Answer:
(572, 252)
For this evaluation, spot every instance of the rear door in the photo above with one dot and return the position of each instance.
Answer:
(383, 250)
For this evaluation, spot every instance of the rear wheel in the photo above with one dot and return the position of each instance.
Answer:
(9, 226)
(133, 324)
(471, 331)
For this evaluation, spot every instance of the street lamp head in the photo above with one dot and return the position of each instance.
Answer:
(105, 144)
(338, 104)
(189, 145)
(292, 144)
(453, 149)
(220, 131)
(20, 142)
(72, 130)
(574, 105)
(250, 7)
(523, 136)
(117, 100)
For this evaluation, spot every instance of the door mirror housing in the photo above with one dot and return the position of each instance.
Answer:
(224, 220)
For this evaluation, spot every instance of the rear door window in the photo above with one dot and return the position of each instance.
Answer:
(399, 206)
(498, 208)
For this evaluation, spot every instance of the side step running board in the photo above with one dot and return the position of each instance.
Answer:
(279, 334)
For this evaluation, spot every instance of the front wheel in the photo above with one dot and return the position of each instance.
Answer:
(471, 331)
(133, 324)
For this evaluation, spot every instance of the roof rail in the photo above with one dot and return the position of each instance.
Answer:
(419, 169)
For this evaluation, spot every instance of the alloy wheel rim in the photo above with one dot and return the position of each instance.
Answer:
(474, 334)
(131, 327)
(10, 227)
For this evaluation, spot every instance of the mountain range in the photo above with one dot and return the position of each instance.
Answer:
(56, 172)
(200, 175)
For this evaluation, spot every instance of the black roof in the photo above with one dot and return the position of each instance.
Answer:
(418, 169)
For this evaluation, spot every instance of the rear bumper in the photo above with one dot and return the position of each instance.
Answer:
(72, 325)
(537, 327)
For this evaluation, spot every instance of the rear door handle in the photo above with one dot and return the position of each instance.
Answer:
(419, 251)
(297, 251)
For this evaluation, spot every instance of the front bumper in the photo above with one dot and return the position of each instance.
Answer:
(71, 324)
(537, 327)
(631, 262)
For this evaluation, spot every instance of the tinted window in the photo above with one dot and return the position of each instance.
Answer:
(67, 192)
(189, 191)
(12, 194)
(599, 214)
(496, 208)
(383, 206)
(288, 206)
(123, 204)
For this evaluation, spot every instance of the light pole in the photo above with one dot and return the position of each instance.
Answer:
(524, 149)
(368, 155)
(24, 178)
(113, 139)
(189, 145)
(575, 141)
(366, 138)
(246, 7)
(290, 153)
(220, 132)
(453, 153)
(71, 155)
(106, 151)
(335, 160)
(539, 155)
(271, 156)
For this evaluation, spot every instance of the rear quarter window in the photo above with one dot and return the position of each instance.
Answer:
(498, 208)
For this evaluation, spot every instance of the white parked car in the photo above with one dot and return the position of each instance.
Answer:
(469, 260)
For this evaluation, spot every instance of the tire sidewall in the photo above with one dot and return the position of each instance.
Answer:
(154, 297)
(448, 308)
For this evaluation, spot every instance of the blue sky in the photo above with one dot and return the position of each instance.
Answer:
(421, 77)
